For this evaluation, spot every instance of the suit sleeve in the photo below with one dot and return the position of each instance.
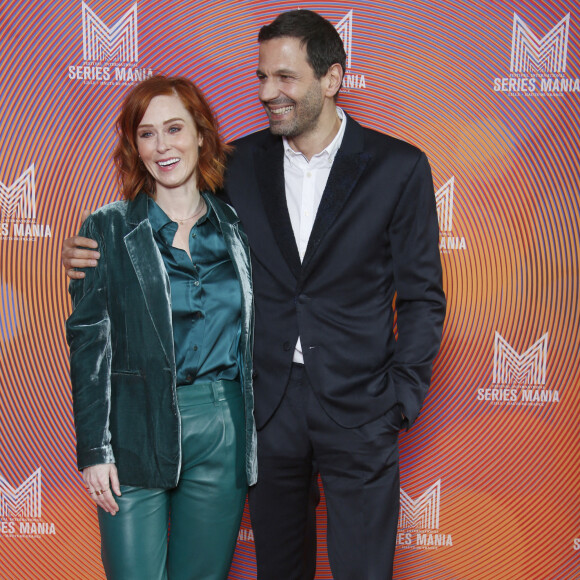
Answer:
(88, 333)
(420, 302)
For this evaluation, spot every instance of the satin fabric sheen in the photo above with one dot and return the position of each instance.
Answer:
(205, 298)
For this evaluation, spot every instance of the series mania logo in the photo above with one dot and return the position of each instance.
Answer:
(21, 508)
(444, 198)
(519, 379)
(245, 535)
(538, 65)
(419, 521)
(110, 54)
(18, 210)
(351, 80)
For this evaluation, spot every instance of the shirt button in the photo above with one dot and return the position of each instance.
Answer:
(309, 174)
(195, 347)
(196, 283)
(189, 378)
(198, 315)
(193, 234)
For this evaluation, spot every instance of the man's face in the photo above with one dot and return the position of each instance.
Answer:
(289, 90)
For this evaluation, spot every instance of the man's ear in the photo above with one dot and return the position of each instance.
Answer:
(333, 80)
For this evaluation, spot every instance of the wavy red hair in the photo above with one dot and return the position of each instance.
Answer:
(132, 175)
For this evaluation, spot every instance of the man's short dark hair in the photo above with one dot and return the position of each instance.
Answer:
(324, 46)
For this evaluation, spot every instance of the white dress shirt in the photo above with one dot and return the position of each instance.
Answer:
(305, 182)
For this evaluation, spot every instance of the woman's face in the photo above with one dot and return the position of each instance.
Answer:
(168, 143)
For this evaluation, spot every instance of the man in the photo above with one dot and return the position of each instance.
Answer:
(339, 218)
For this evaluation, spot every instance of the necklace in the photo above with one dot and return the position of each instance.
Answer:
(182, 221)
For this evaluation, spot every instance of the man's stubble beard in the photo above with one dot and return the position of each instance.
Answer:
(307, 112)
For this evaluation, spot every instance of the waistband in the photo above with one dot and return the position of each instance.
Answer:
(210, 392)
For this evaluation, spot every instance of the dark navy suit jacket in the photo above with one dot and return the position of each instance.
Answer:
(375, 233)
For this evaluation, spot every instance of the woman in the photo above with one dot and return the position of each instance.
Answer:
(160, 340)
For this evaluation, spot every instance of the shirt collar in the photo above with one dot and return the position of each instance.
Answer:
(330, 151)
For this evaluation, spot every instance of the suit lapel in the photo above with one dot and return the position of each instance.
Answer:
(151, 273)
(269, 169)
(349, 164)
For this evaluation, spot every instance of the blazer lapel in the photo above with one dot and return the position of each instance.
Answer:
(151, 273)
(349, 164)
(269, 169)
(239, 253)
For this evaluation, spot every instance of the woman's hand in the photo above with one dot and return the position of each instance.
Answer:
(101, 481)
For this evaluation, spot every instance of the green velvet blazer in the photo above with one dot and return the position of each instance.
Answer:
(121, 348)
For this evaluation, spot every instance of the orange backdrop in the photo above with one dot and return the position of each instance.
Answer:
(490, 90)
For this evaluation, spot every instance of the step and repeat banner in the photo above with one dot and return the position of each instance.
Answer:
(490, 474)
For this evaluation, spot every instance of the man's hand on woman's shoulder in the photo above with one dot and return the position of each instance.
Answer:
(77, 253)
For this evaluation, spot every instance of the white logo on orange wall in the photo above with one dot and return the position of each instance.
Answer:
(18, 200)
(21, 508)
(118, 43)
(25, 501)
(538, 63)
(351, 80)
(110, 53)
(344, 29)
(18, 209)
(533, 54)
(418, 527)
(512, 368)
(444, 198)
(423, 512)
(245, 535)
(519, 378)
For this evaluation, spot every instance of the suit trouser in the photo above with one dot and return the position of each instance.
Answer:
(202, 514)
(359, 469)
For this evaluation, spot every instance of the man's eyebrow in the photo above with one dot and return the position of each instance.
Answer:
(280, 71)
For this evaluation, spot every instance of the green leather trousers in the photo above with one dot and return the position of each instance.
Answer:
(189, 532)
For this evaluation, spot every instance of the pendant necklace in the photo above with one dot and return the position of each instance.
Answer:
(182, 221)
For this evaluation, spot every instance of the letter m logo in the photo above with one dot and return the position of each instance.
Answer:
(24, 501)
(101, 43)
(19, 199)
(444, 201)
(533, 54)
(511, 368)
(422, 513)
(344, 29)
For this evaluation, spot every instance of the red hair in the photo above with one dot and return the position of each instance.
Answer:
(132, 175)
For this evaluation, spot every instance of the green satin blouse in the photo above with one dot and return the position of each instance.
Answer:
(205, 299)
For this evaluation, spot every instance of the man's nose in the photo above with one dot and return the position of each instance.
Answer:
(268, 90)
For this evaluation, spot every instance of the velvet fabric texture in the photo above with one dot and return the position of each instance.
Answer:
(122, 353)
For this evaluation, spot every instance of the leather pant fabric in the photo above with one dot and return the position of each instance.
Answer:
(189, 532)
